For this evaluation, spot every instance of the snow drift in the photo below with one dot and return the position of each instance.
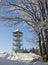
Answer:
(19, 56)
(20, 59)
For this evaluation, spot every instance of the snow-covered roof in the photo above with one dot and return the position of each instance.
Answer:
(16, 31)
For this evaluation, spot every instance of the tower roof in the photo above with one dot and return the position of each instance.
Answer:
(17, 31)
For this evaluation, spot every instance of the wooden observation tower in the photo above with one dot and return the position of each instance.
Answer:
(17, 41)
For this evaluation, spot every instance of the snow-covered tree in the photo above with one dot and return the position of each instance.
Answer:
(32, 12)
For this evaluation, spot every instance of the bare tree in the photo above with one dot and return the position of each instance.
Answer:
(32, 12)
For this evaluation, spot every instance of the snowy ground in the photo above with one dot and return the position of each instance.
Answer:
(20, 59)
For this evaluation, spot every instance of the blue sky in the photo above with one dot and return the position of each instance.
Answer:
(6, 34)
(6, 37)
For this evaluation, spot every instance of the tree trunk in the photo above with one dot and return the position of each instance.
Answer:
(40, 47)
(43, 46)
(46, 37)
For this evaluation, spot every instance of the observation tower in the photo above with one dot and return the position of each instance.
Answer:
(17, 41)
